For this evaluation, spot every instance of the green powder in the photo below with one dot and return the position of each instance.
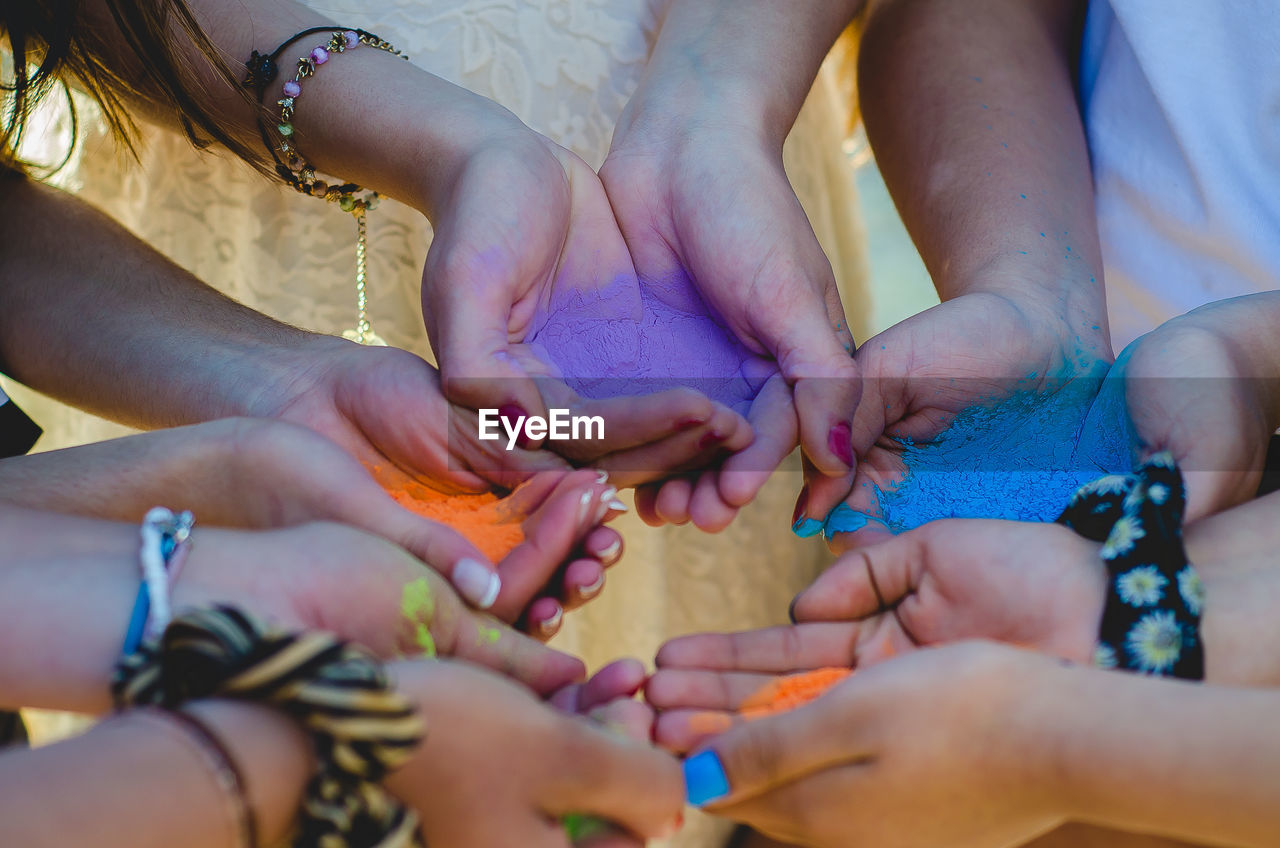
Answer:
(419, 607)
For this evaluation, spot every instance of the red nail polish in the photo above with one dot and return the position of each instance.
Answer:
(840, 440)
(710, 439)
(688, 424)
(801, 503)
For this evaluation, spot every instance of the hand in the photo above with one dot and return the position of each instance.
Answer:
(973, 350)
(945, 730)
(518, 221)
(707, 197)
(331, 577)
(1196, 387)
(498, 768)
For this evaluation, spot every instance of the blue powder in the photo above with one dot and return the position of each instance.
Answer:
(1020, 458)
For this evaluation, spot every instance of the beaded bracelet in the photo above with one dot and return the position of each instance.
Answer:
(297, 171)
(1151, 618)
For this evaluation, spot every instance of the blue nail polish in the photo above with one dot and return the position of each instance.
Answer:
(704, 779)
(844, 519)
(806, 527)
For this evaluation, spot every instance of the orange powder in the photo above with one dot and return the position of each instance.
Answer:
(794, 690)
(480, 518)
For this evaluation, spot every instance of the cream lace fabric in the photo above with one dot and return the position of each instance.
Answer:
(567, 68)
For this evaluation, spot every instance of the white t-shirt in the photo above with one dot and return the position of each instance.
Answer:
(1181, 102)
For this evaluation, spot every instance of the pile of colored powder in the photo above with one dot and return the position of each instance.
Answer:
(479, 518)
(793, 690)
(629, 339)
(1020, 459)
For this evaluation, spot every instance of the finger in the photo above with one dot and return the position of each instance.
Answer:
(486, 641)
(772, 649)
(627, 717)
(756, 757)
(552, 534)
(825, 384)
(583, 580)
(778, 812)
(605, 545)
(646, 501)
(707, 510)
(820, 495)
(773, 420)
(619, 679)
(863, 582)
(694, 449)
(544, 618)
(672, 503)
(629, 783)
(445, 550)
(680, 731)
(633, 421)
(696, 689)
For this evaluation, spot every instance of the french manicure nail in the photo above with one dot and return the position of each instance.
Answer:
(617, 505)
(607, 555)
(606, 498)
(840, 441)
(549, 626)
(477, 583)
(602, 476)
(584, 506)
(705, 780)
(592, 589)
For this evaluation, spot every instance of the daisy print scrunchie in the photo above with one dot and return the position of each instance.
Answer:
(1151, 620)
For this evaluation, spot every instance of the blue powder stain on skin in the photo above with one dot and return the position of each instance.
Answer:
(808, 527)
(1020, 458)
(1023, 196)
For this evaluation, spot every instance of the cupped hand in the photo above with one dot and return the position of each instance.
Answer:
(940, 730)
(709, 199)
(1194, 388)
(977, 350)
(364, 589)
(499, 768)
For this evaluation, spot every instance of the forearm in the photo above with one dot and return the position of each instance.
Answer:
(92, 316)
(139, 781)
(1189, 761)
(749, 61)
(971, 111)
(367, 116)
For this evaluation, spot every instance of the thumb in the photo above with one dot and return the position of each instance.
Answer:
(825, 384)
(447, 552)
(618, 779)
(752, 758)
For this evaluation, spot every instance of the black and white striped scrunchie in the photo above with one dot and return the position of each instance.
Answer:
(362, 728)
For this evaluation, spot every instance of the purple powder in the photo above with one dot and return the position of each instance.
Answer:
(629, 339)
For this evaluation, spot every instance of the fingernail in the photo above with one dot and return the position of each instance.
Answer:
(584, 506)
(840, 440)
(477, 583)
(844, 519)
(602, 476)
(807, 528)
(801, 502)
(712, 438)
(617, 505)
(791, 609)
(704, 779)
(607, 497)
(592, 589)
(549, 626)
(608, 554)
(688, 424)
